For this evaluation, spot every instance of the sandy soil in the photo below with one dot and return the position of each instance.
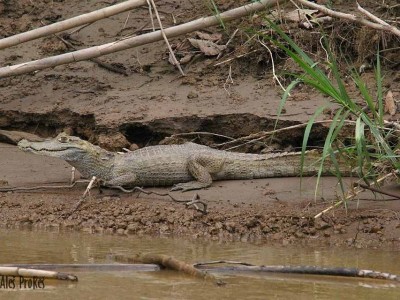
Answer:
(152, 103)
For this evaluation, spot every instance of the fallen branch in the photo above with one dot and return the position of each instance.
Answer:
(70, 23)
(381, 25)
(23, 272)
(89, 267)
(171, 263)
(309, 270)
(132, 42)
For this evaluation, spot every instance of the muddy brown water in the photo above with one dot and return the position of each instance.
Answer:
(70, 247)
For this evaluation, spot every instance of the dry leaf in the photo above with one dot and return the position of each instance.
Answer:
(209, 37)
(390, 105)
(207, 47)
(298, 15)
(186, 59)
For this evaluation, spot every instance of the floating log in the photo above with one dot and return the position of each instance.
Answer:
(171, 263)
(89, 267)
(24, 272)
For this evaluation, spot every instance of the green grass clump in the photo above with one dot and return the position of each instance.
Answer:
(371, 139)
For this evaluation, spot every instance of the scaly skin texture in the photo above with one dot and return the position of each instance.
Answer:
(188, 167)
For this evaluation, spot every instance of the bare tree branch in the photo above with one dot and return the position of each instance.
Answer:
(381, 25)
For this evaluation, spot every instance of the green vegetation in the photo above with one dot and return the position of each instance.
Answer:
(371, 144)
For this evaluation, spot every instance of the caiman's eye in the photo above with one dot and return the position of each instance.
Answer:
(63, 139)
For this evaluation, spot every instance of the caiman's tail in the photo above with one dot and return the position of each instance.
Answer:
(281, 165)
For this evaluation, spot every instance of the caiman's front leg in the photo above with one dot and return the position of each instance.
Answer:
(200, 166)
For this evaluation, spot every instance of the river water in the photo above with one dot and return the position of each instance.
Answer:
(71, 247)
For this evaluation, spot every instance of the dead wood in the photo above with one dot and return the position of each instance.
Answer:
(171, 263)
(377, 23)
(23, 272)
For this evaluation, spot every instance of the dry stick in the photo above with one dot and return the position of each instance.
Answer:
(194, 201)
(70, 23)
(78, 29)
(263, 134)
(100, 63)
(175, 61)
(227, 43)
(372, 189)
(143, 39)
(42, 187)
(371, 16)
(350, 17)
(23, 272)
(169, 262)
(201, 133)
(151, 15)
(238, 56)
(352, 194)
(273, 65)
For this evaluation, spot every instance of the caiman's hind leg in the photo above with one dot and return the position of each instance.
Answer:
(201, 167)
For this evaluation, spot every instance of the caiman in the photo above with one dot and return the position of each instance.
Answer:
(188, 166)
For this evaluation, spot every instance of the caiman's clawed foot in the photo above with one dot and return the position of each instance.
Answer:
(189, 186)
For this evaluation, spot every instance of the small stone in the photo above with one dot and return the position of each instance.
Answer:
(321, 225)
(133, 147)
(299, 234)
(120, 231)
(192, 95)
(113, 141)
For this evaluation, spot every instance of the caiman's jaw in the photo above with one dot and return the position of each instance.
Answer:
(63, 146)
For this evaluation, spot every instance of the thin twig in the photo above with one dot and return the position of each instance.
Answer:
(273, 64)
(228, 81)
(89, 187)
(352, 194)
(350, 17)
(126, 21)
(79, 29)
(175, 61)
(263, 134)
(100, 63)
(41, 187)
(371, 16)
(227, 43)
(233, 58)
(151, 15)
(202, 133)
(194, 201)
(375, 190)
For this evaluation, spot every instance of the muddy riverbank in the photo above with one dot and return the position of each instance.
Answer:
(273, 210)
(232, 96)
